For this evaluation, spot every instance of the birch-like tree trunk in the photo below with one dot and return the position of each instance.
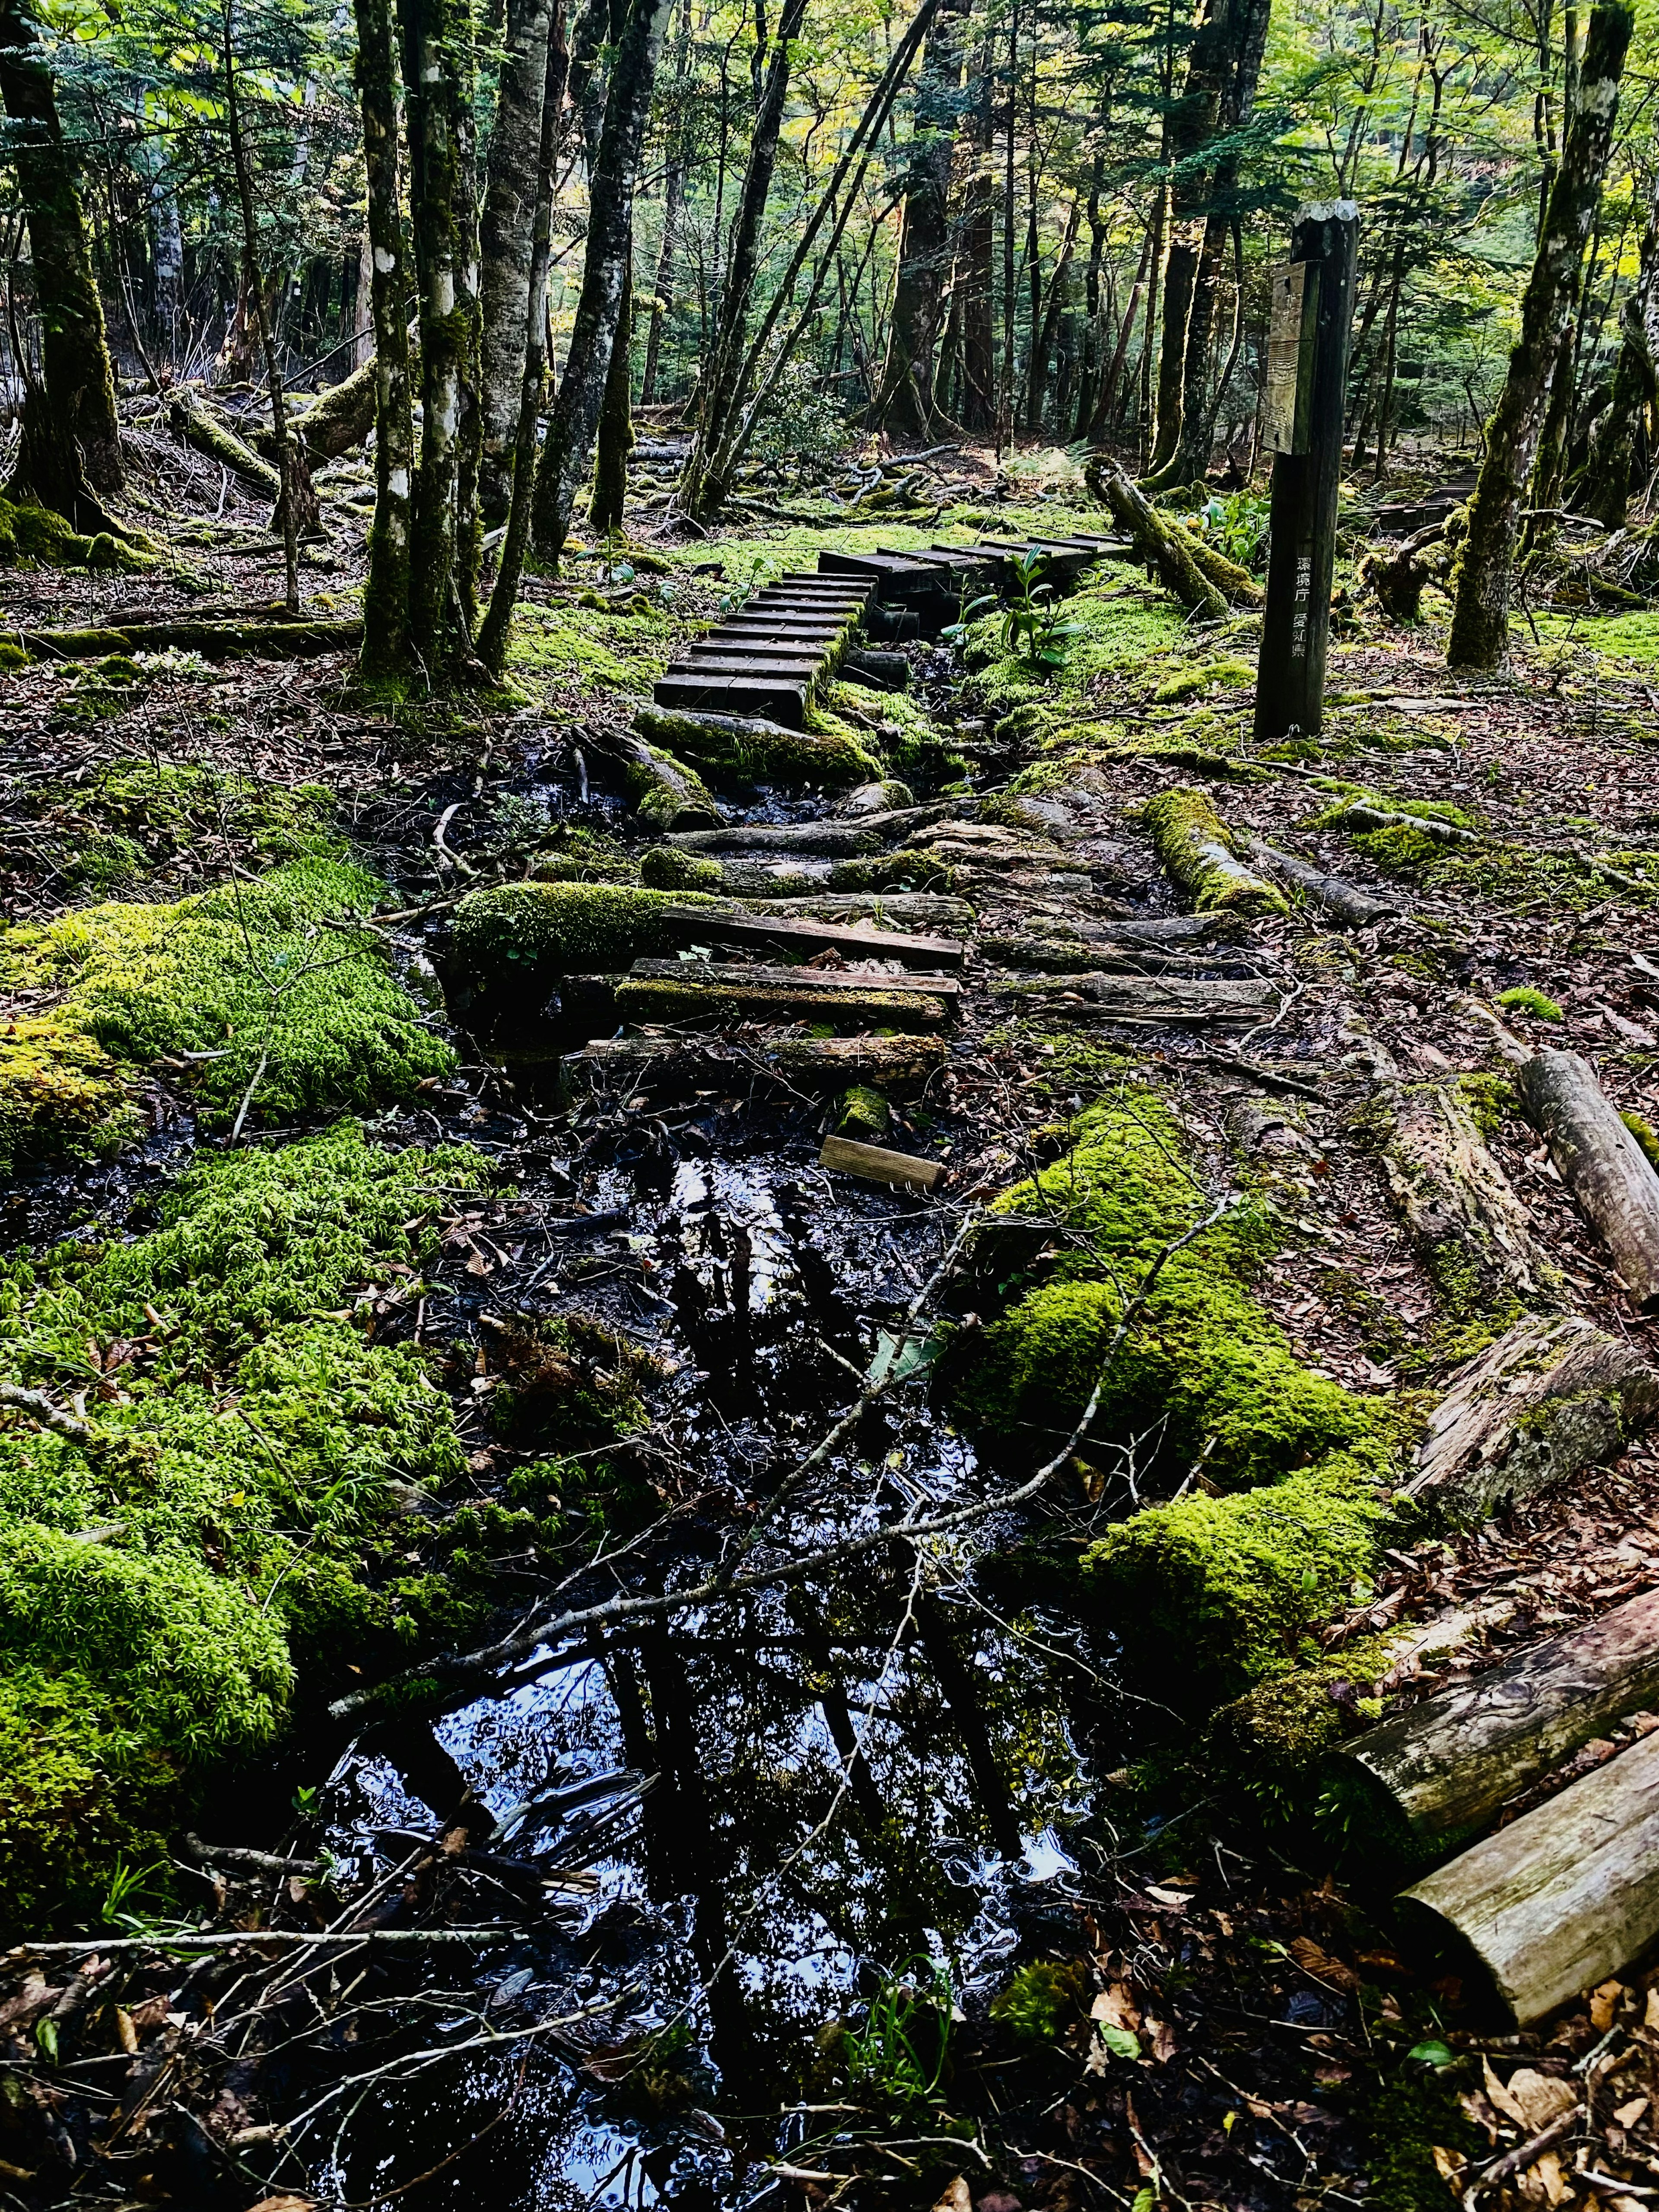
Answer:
(506, 242)
(70, 432)
(1480, 628)
(385, 589)
(1621, 441)
(568, 447)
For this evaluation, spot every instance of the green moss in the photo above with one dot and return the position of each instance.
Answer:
(1524, 999)
(865, 1115)
(903, 871)
(1194, 845)
(14, 655)
(832, 761)
(1413, 2113)
(665, 868)
(1041, 2001)
(132, 817)
(1273, 1743)
(28, 532)
(1216, 1593)
(160, 1593)
(559, 929)
(1645, 1134)
(239, 989)
(1188, 682)
(587, 642)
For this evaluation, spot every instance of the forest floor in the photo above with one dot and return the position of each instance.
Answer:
(1166, 1979)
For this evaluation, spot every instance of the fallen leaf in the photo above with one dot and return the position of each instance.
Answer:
(126, 2032)
(1531, 2100)
(1604, 2001)
(1164, 2042)
(1449, 2165)
(956, 2197)
(1627, 2115)
(1319, 1963)
(1116, 2007)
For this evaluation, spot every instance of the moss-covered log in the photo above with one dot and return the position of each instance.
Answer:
(1166, 548)
(537, 931)
(1194, 844)
(901, 1065)
(1473, 1234)
(664, 790)
(1601, 1163)
(1353, 909)
(265, 641)
(754, 750)
(197, 424)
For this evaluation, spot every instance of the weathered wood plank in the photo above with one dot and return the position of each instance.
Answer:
(805, 935)
(875, 1164)
(827, 979)
(686, 995)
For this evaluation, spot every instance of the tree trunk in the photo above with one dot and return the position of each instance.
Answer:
(433, 32)
(1601, 1164)
(977, 409)
(1621, 444)
(1564, 1897)
(71, 433)
(505, 240)
(1042, 334)
(385, 589)
(662, 292)
(720, 379)
(616, 435)
(569, 443)
(1480, 628)
(1449, 1764)
(1472, 1232)
(905, 403)
(496, 629)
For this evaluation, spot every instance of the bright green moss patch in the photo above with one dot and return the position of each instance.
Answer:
(246, 988)
(832, 761)
(592, 644)
(562, 929)
(1524, 999)
(28, 532)
(1188, 682)
(241, 1521)
(1194, 845)
(1645, 1134)
(665, 868)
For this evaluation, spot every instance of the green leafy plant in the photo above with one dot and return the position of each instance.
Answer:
(903, 2049)
(1236, 524)
(1040, 2001)
(1032, 621)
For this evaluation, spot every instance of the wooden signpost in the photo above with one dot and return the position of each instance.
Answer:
(1307, 380)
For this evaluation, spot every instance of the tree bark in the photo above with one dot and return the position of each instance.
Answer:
(71, 432)
(1562, 1898)
(616, 434)
(1601, 1164)
(1620, 443)
(569, 443)
(1473, 1233)
(978, 407)
(1449, 1764)
(507, 243)
(385, 589)
(1480, 626)
(1549, 1397)
(720, 379)
(905, 402)
(662, 292)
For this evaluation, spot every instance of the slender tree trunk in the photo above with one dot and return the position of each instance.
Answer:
(386, 592)
(662, 292)
(720, 379)
(1043, 326)
(1089, 362)
(497, 626)
(1621, 439)
(1109, 383)
(1480, 628)
(469, 523)
(569, 444)
(71, 433)
(977, 410)
(505, 239)
(1005, 396)
(616, 434)
(297, 503)
(905, 402)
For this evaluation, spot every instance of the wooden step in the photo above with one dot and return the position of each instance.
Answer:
(696, 925)
(778, 699)
(809, 980)
(687, 991)
(750, 660)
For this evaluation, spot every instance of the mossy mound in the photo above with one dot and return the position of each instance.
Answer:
(533, 930)
(234, 1527)
(28, 532)
(261, 990)
(1205, 1370)
(132, 818)
(665, 868)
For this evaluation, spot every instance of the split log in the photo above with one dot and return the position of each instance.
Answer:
(1068, 955)
(875, 1163)
(1447, 1766)
(663, 789)
(901, 1065)
(1601, 1164)
(1552, 1395)
(881, 672)
(198, 426)
(1459, 1206)
(1561, 1900)
(1158, 543)
(1355, 909)
(693, 925)
(692, 991)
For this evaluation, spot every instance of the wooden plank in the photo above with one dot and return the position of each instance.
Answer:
(1562, 1898)
(781, 701)
(697, 924)
(875, 1163)
(1449, 1764)
(765, 667)
(1156, 998)
(810, 979)
(689, 995)
(900, 1066)
(1601, 1164)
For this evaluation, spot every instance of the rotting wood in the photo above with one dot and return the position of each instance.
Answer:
(921, 911)
(197, 424)
(900, 1065)
(1601, 1163)
(1550, 1396)
(1447, 1766)
(1458, 1205)
(697, 924)
(1355, 909)
(875, 1164)
(687, 992)
(1153, 998)
(1561, 1900)
(214, 641)
(811, 980)
(869, 833)
(1360, 815)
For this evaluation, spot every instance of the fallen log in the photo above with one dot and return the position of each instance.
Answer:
(697, 924)
(1157, 998)
(259, 641)
(1561, 1900)
(663, 789)
(757, 750)
(1164, 549)
(875, 1164)
(691, 991)
(869, 834)
(1601, 1163)
(1446, 1767)
(198, 426)
(1356, 908)
(1552, 1395)
(1361, 815)
(1459, 1206)
(900, 1065)
(884, 798)
(923, 911)
(1194, 845)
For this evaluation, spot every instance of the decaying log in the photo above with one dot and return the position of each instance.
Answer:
(1563, 1897)
(695, 924)
(664, 790)
(875, 1164)
(1474, 1235)
(214, 641)
(1156, 999)
(1445, 1766)
(900, 1066)
(926, 911)
(1601, 1164)
(692, 991)
(1160, 543)
(843, 840)
(198, 426)
(1344, 901)
(1361, 815)
(1552, 1395)
(883, 798)
(1196, 846)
